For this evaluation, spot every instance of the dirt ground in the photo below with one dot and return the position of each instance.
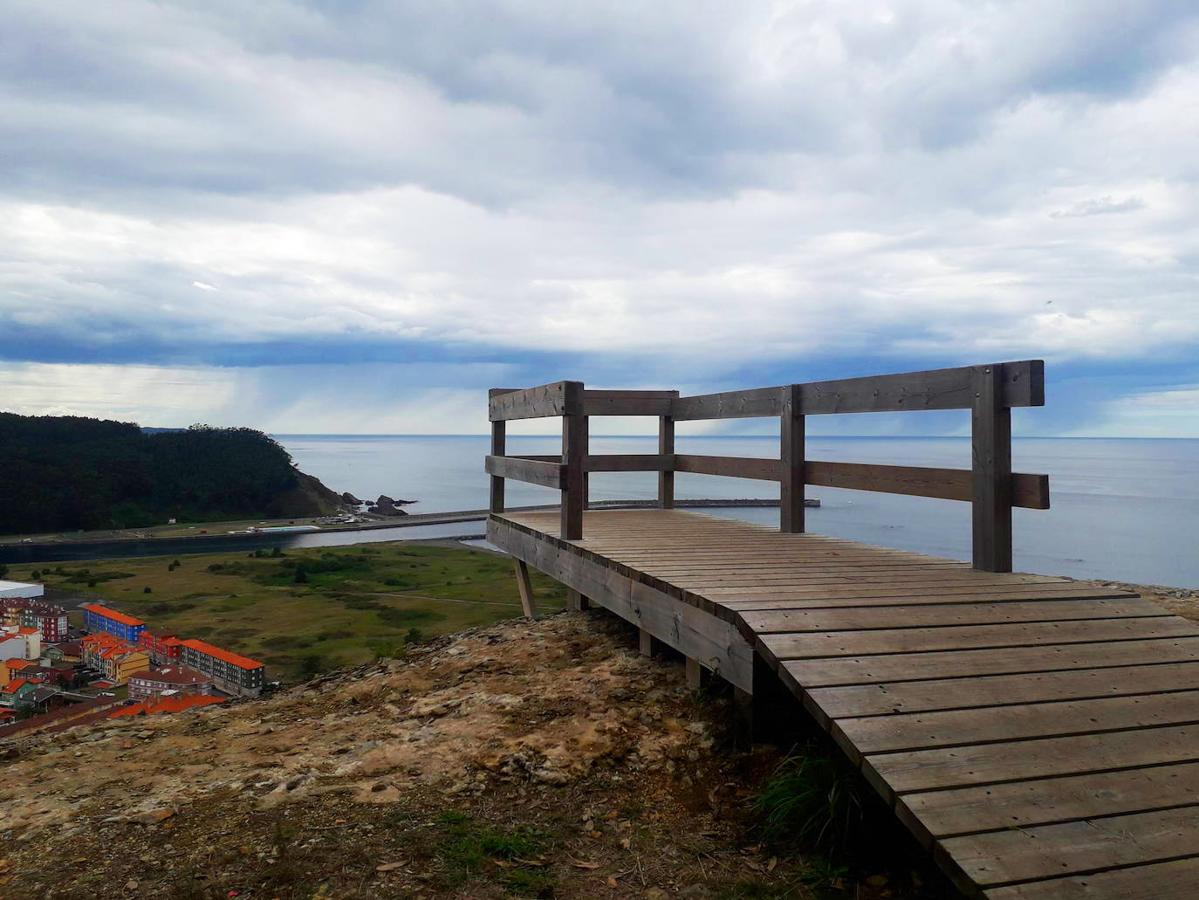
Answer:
(529, 760)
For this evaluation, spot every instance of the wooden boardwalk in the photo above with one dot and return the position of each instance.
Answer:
(1040, 737)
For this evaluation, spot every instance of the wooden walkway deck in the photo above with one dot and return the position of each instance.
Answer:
(1040, 737)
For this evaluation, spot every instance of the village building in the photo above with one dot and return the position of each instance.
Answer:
(98, 618)
(15, 691)
(168, 679)
(65, 652)
(115, 659)
(19, 641)
(230, 672)
(49, 618)
(164, 649)
(20, 590)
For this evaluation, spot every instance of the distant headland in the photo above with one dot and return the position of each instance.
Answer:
(66, 473)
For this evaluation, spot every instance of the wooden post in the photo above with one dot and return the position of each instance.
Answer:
(586, 453)
(791, 452)
(574, 451)
(666, 476)
(527, 605)
(575, 601)
(498, 440)
(646, 642)
(991, 451)
(695, 673)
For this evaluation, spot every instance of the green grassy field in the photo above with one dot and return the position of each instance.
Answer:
(309, 611)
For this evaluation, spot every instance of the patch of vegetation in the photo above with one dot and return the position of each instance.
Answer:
(346, 614)
(512, 856)
(83, 576)
(814, 799)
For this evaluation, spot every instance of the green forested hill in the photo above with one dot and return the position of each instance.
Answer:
(60, 473)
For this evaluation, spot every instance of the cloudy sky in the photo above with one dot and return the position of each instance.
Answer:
(357, 216)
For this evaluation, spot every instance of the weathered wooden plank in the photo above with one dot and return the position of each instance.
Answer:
(872, 594)
(900, 617)
(691, 631)
(533, 471)
(1041, 801)
(574, 457)
(1091, 845)
(923, 640)
(991, 452)
(1021, 384)
(867, 669)
(919, 578)
(531, 403)
(1173, 880)
(729, 466)
(1027, 491)
(792, 467)
(996, 690)
(925, 770)
(666, 475)
(496, 500)
(627, 403)
(989, 724)
(628, 462)
(525, 586)
(729, 405)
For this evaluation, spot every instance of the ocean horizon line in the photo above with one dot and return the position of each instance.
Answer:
(654, 435)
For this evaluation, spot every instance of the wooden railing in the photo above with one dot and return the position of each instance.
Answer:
(988, 391)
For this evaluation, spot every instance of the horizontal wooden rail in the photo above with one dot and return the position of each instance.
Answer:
(531, 403)
(1028, 491)
(547, 474)
(628, 403)
(757, 402)
(630, 462)
(1023, 384)
(729, 466)
(616, 462)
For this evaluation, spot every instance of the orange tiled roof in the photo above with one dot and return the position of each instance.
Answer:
(112, 614)
(13, 686)
(167, 705)
(15, 665)
(242, 662)
(27, 630)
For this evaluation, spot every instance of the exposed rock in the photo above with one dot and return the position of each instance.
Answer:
(349, 498)
(385, 506)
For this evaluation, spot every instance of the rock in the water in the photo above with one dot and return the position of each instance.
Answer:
(385, 506)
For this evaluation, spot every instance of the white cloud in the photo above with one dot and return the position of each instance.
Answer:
(709, 186)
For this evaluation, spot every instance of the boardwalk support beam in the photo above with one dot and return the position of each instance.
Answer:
(525, 586)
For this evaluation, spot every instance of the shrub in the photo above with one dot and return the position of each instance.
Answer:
(813, 798)
(147, 590)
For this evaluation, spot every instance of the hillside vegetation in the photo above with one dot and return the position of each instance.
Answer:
(306, 611)
(64, 473)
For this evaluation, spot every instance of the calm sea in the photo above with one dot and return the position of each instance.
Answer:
(1124, 509)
